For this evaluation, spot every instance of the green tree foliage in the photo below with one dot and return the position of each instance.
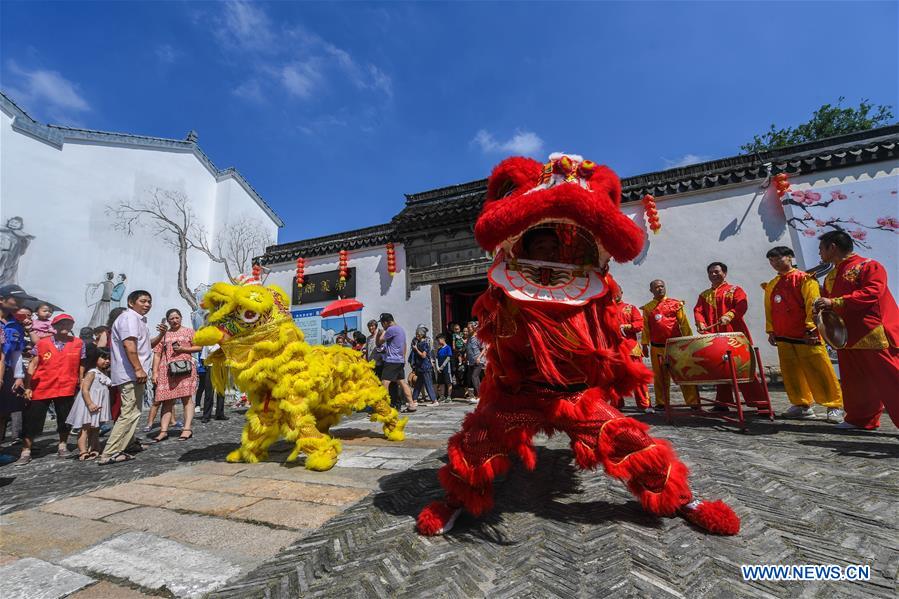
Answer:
(827, 121)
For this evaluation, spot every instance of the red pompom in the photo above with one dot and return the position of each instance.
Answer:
(437, 518)
(714, 516)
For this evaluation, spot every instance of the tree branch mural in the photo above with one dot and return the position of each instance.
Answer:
(168, 213)
(807, 223)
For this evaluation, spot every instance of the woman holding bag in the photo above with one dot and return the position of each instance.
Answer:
(174, 375)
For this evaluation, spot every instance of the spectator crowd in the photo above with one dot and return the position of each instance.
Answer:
(97, 383)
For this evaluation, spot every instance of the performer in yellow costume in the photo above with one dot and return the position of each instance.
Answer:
(295, 390)
(789, 321)
(664, 318)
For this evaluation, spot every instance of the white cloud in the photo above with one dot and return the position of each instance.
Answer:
(299, 60)
(523, 142)
(300, 79)
(686, 160)
(47, 93)
(245, 25)
(370, 77)
(166, 53)
(249, 90)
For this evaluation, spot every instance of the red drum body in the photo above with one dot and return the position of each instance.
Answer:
(702, 359)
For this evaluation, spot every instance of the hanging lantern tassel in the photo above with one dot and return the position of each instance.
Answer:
(781, 184)
(301, 268)
(652, 215)
(343, 268)
(391, 259)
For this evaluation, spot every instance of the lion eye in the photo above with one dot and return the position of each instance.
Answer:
(249, 316)
(506, 189)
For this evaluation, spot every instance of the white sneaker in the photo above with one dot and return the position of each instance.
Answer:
(835, 415)
(846, 426)
(473, 400)
(649, 410)
(800, 412)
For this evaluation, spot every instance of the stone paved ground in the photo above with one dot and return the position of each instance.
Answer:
(180, 522)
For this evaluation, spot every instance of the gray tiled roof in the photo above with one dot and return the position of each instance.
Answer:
(460, 204)
(57, 135)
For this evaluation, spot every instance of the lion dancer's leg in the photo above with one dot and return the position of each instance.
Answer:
(262, 427)
(648, 466)
(301, 428)
(477, 454)
(383, 412)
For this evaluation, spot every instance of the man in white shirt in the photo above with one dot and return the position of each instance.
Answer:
(131, 358)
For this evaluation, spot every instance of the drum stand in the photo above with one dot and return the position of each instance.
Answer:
(761, 408)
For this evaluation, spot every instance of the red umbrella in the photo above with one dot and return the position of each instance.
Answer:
(341, 306)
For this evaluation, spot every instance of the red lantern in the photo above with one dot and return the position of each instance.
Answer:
(781, 184)
(301, 267)
(652, 215)
(391, 259)
(344, 271)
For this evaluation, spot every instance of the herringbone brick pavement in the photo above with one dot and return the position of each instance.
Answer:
(806, 493)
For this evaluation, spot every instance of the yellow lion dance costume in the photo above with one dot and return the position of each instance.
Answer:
(296, 390)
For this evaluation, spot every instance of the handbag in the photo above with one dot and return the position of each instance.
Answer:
(179, 367)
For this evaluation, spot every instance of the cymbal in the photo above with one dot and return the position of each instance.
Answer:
(832, 328)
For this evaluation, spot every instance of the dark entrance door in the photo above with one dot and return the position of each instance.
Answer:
(458, 300)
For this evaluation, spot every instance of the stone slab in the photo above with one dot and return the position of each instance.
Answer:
(308, 492)
(31, 578)
(398, 464)
(236, 538)
(156, 563)
(6, 558)
(399, 452)
(221, 468)
(176, 478)
(209, 502)
(340, 475)
(298, 515)
(411, 440)
(30, 533)
(139, 494)
(107, 590)
(92, 508)
(360, 462)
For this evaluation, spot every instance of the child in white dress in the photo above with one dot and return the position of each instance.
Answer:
(91, 407)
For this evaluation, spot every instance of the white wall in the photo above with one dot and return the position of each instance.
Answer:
(375, 288)
(62, 195)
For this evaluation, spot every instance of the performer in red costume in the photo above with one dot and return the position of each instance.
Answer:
(720, 309)
(856, 289)
(556, 354)
(631, 326)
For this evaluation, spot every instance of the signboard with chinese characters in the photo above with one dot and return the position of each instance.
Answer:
(324, 286)
(310, 322)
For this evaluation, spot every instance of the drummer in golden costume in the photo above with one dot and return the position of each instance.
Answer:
(805, 366)
(857, 291)
(664, 318)
(720, 309)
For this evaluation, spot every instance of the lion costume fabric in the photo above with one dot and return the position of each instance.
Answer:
(295, 390)
(556, 357)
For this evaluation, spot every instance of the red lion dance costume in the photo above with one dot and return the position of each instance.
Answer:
(556, 358)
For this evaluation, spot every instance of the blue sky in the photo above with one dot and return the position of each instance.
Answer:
(334, 110)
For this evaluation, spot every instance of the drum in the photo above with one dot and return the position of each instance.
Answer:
(701, 359)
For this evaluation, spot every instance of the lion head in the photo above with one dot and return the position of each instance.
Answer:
(237, 310)
(554, 228)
